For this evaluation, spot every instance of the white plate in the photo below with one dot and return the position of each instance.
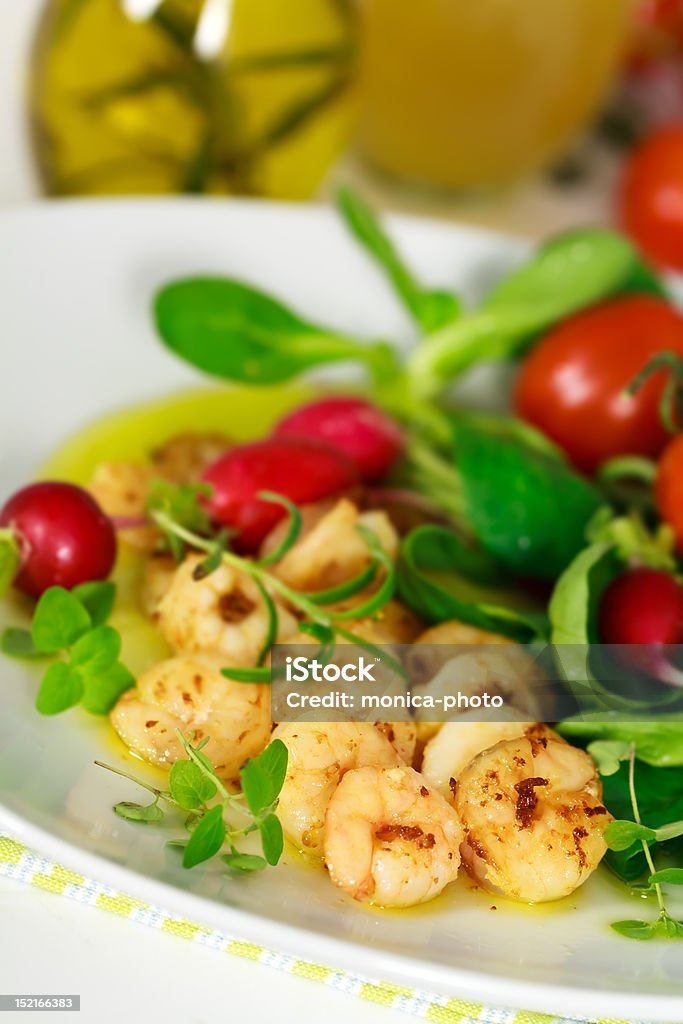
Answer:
(77, 341)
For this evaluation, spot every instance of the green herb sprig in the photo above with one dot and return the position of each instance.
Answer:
(201, 796)
(182, 503)
(71, 627)
(623, 835)
(331, 621)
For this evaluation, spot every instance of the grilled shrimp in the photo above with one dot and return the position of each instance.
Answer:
(319, 755)
(425, 663)
(157, 576)
(120, 488)
(330, 550)
(392, 624)
(389, 838)
(457, 743)
(223, 614)
(190, 694)
(402, 736)
(533, 817)
(183, 458)
(473, 662)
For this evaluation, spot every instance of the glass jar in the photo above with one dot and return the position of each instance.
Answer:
(122, 106)
(462, 93)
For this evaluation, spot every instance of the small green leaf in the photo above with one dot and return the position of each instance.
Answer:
(620, 835)
(271, 631)
(18, 643)
(98, 599)
(103, 689)
(247, 675)
(236, 332)
(189, 786)
(207, 838)
(96, 650)
(640, 930)
(666, 928)
(272, 838)
(608, 754)
(139, 812)
(10, 560)
(385, 591)
(334, 595)
(59, 620)
(667, 876)
(263, 777)
(293, 527)
(182, 504)
(243, 863)
(61, 688)
(214, 559)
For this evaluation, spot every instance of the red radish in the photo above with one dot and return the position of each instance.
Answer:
(301, 470)
(64, 537)
(644, 606)
(370, 438)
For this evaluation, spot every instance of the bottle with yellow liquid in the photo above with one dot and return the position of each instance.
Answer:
(468, 93)
(133, 106)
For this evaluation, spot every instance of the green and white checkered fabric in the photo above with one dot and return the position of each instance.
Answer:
(22, 864)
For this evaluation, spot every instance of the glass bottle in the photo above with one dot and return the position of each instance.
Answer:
(123, 106)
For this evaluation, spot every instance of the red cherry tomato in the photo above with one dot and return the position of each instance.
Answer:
(301, 470)
(571, 385)
(669, 487)
(652, 196)
(64, 537)
(370, 438)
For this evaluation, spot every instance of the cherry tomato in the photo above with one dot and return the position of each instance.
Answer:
(669, 487)
(370, 438)
(571, 385)
(652, 196)
(64, 537)
(301, 470)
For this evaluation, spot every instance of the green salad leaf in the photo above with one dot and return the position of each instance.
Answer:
(658, 743)
(576, 596)
(430, 308)
(573, 270)
(660, 800)
(526, 508)
(231, 330)
(440, 578)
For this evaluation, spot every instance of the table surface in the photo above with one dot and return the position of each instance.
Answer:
(124, 971)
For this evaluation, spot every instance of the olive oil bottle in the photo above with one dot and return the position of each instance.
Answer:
(128, 107)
